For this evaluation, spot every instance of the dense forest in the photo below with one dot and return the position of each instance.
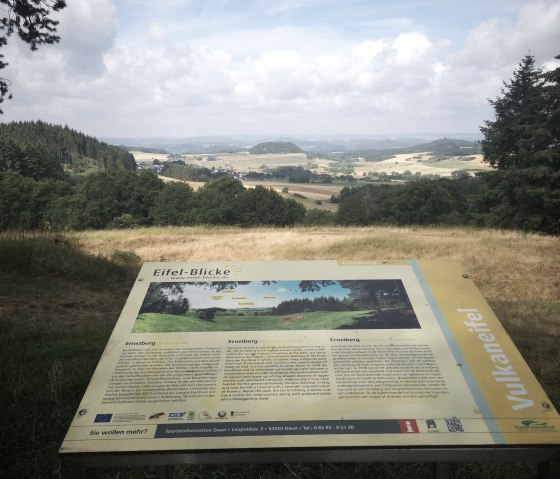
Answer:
(521, 143)
(42, 150)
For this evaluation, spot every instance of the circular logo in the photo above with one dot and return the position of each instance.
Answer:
(222, 414)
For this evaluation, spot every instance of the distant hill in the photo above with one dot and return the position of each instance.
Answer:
(318, 144)
(446, 147)
(144, 149)
(40, 150)
(324, 146)
(275, 147)
(443, 147)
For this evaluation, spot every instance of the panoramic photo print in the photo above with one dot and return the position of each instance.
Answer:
(275, 305)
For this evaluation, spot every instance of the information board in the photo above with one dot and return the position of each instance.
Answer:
(223, 355)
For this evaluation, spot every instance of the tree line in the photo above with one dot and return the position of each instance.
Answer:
(54, 149)
(126, 199)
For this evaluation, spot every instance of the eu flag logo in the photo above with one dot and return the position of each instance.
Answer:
(103, 418)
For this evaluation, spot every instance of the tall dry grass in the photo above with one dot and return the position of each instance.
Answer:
(507, 265)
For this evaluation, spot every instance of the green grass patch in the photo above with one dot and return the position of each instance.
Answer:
(232, 321)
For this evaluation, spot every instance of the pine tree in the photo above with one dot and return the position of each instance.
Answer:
(552, 104)
(522, 143)
(519, 129)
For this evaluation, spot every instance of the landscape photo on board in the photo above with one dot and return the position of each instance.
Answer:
(275, 305)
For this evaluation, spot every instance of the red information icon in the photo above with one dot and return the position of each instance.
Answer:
(408, 425)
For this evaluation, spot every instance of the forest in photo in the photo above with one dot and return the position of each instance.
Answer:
(276, 305)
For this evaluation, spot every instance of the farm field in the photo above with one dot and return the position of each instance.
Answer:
(142, 157)
(306, 193)
(244, 161)
(423, 163)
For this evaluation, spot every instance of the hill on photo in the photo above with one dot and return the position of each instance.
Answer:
(274, 147)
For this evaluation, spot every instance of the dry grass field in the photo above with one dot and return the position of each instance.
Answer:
(142, 157)
(305, 193)
(423, 163)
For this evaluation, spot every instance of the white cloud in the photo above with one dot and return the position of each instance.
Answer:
(276, 79)
(411, 47)
(87, 29)
(499, 42)
(369, 49)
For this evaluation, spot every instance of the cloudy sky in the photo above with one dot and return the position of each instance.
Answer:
(179, 68)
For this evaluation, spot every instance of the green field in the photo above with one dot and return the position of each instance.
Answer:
(233, 321)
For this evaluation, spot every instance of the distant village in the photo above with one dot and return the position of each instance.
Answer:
(157, 166)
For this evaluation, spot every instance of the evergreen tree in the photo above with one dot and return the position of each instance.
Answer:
(551, 156)
(51, 148)
(523, 144)
(519, 130)
(10, 155)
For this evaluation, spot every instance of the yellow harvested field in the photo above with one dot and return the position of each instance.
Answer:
(420, 162)
(195, 185)
(244, 161)
(142, 157)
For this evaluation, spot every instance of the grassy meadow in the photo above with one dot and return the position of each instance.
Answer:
(60, 296)
(231, 321)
